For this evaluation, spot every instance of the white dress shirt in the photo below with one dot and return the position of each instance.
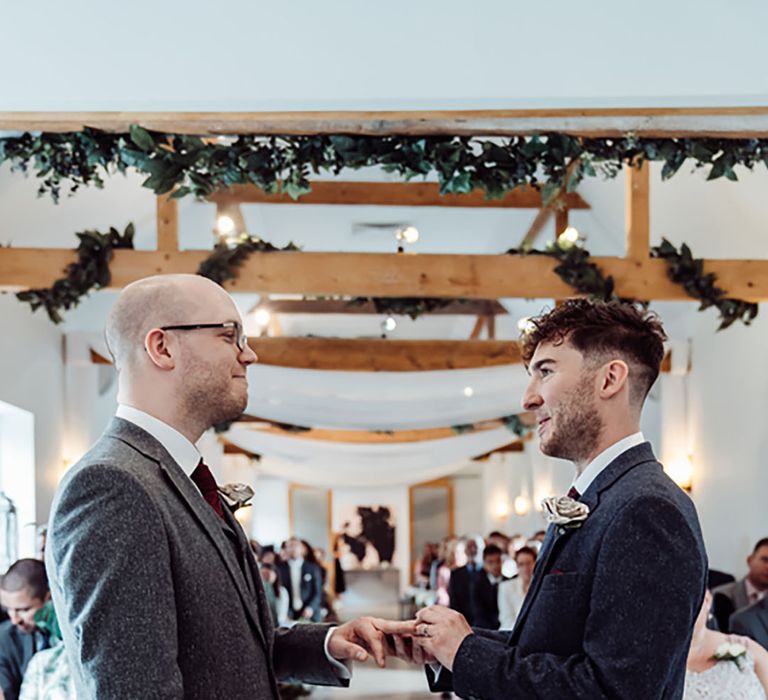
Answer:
(590, 473)
(295, 568)
(187, 456)
(184, 453)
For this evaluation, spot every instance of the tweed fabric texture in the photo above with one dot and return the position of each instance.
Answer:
(158, 597)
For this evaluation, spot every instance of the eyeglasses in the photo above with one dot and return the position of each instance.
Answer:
(241, 340)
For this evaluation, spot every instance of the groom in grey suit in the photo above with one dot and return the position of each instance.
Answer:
(621, 573)
(156, 589)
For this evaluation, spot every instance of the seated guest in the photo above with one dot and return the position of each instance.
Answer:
(277, 596)
(484, 593)
(512, 591)
(49, 675)
(303, 581)
(462, 581)
(743, 674)
(732, 597)
(23, 591)
(752, 622)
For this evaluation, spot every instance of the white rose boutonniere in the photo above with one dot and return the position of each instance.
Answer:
(732, 651)
(236, 495)
(564, 511)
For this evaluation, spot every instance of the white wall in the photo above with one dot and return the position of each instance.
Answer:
(252, 54)
(32, 378)
(17, 477)
(729, 422)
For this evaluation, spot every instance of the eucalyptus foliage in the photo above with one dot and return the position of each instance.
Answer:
(199, 166)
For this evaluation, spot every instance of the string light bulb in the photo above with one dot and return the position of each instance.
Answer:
(468, 391)
(388, 324)
(225, 225)
(570, 237)
(262, 317)
(526, 325)
(407, 234)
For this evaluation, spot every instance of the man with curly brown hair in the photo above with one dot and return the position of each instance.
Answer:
(621, 573)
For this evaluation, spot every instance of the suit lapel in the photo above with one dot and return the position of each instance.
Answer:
(204, 514)
(542, 565)
(626, 461)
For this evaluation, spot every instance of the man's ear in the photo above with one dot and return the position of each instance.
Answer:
(613, 378)
(158, 350)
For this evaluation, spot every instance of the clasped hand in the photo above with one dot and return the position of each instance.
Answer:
(435, 635)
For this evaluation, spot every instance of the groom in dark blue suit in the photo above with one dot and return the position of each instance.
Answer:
(621, 574)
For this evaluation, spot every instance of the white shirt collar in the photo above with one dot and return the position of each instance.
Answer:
(184, 453)
(296, 563)
(602, 460)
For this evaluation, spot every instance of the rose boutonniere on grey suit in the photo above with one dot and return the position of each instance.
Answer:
(564, 512)
(236, 496)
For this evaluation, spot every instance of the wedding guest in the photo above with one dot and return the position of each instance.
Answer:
(595, 623)
(49, 674)
(752, 622)
(152, 577)
(512, 591)
(735, 596)
(277, 595)
(484, 592)
(741, 675)
(302, 578)
(23, 592)
(462, 581)
(445, 570)
(423, 566)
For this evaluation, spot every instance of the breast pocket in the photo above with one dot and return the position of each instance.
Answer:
(560, 581)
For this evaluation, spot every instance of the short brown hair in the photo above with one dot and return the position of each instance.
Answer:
(603, 328)
(26, 573)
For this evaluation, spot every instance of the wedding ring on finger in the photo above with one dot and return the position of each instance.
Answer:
(422, 630)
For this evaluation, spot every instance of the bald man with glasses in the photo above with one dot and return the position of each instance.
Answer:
(156, 589)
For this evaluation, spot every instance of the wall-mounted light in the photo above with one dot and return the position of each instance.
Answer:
(522, 505)
(501, 509)
(406, 235)
(681, 472)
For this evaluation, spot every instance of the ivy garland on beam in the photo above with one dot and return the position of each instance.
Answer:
(575, 268)
(192, 165)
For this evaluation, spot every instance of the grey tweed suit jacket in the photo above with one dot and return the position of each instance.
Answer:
(157, 597)
(611, 607)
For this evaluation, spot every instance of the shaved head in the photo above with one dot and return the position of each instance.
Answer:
(153, 302)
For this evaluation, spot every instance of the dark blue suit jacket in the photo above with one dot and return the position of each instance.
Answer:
(611, 606)
(16, 649)
(311, 587)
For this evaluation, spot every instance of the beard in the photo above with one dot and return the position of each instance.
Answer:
(213, 397)
(575, 424)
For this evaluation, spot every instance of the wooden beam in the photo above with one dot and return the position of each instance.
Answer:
(392, 275)
(477, 329)
(638, 212)
(400, 194)
(379, 355)
(484, 354)
(726, 122)
(537, 226)
(470, 307)
(561, 220)
(515, 446)
(167, 223)
(369, 437)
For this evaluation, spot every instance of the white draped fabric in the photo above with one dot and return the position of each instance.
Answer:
(332, 464)
(384, 400)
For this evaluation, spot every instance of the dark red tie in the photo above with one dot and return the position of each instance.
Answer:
(207, 484)
(573, 493)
